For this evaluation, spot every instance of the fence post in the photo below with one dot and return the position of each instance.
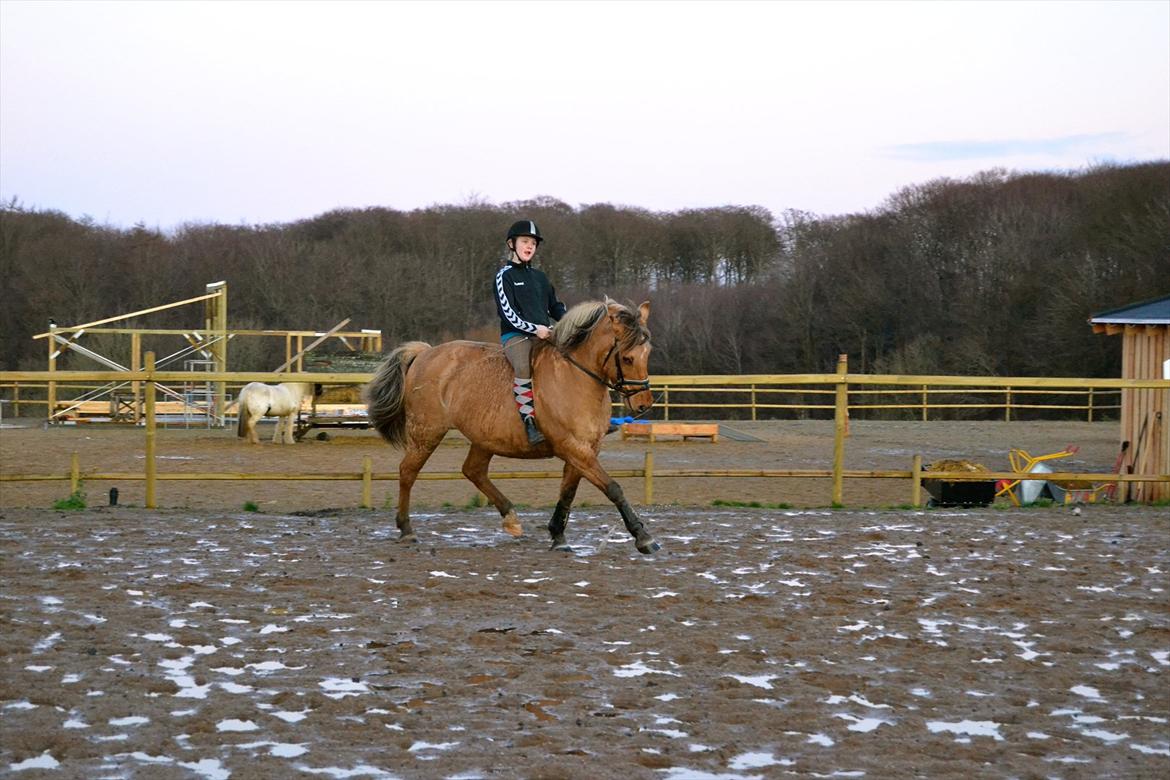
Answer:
(1007, 405)
(151, 465)
(51, 390)
(367, 482)
(841, 422)
(1090, 405)
(648, 478)
(916, 481)
(753, 403)
(74, 474)
(135, 364)
(666, 403)
(925, 408)
(216, 318)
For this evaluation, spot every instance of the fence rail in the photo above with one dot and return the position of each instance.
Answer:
(840, 385)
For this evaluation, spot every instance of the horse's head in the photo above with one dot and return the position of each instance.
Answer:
(628, 370)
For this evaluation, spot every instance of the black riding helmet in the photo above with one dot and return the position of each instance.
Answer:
(524, 227)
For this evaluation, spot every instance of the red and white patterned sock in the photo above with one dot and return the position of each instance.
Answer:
(522, 389)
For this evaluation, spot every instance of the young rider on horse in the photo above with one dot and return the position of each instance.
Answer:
(528, 306)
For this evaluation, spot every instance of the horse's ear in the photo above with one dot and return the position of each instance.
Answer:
(612, 307)
(644, 312)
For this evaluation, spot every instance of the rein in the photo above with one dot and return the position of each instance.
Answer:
(626, 388)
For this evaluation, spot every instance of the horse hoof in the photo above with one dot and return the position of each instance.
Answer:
(648, 547)
(560, 545)
(512, 525)
(409, 538)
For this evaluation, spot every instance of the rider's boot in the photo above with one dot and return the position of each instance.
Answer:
(522, 391)
(534, 435)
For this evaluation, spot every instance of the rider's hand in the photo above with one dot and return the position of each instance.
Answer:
(543, 332)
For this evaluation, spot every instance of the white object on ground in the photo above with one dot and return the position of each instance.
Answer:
(1030, 489)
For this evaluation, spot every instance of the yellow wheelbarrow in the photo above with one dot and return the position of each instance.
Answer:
(1026, 491)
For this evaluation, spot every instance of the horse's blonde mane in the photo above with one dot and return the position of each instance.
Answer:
(579, 322)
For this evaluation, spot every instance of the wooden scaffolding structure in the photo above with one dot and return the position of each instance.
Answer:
(209, 344)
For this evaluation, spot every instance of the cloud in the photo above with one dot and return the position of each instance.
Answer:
(1060, 146)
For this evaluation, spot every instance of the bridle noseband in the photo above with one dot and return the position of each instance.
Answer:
(626, 388)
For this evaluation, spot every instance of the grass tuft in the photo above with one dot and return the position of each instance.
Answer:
(749, 504)
(74, 502)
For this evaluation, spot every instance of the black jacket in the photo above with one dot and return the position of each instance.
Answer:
(525, 298)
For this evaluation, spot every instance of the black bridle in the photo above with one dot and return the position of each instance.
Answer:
(626, 388)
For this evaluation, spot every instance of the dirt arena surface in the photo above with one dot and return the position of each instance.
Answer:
(757, 643)
(203, 641)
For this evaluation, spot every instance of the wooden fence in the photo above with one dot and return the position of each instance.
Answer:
(773, 399)
(765, 399)
(840, 385)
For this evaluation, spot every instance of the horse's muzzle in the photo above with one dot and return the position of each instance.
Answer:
(639, 402)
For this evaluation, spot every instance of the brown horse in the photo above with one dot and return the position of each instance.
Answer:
(420, 392)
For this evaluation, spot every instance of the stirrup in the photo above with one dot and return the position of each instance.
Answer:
(534, 434)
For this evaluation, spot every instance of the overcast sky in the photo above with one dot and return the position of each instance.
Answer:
(172, 112)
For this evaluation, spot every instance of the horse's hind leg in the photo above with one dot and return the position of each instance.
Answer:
(475, 468)
(412, 462)
(250, 429)
(570, 478)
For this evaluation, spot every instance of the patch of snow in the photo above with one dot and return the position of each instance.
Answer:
(759, 680)
(757, 761)
(974, 728)
(235, 724)
(1088, 691)
(43, 761)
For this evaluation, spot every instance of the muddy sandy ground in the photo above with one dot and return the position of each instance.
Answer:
(757, 643)
(203, 641)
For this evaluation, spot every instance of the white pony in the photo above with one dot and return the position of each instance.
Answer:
(282, 401)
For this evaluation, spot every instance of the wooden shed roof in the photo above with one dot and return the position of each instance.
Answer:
(1155, 311)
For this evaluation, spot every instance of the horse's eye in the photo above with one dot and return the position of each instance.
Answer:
(629, 361)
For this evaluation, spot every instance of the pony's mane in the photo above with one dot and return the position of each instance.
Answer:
(574, 328)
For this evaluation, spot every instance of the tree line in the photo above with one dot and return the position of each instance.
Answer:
(995, 274)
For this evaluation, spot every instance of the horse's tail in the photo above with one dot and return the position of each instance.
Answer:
(386, 392)
(242, 412)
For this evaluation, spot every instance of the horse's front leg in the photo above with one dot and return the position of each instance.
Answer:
(570, 478)
(587, 464)
(475, 468)
(278, 431)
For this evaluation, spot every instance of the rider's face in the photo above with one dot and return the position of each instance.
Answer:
(525, 247)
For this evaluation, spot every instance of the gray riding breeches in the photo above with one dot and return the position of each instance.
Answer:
(518, 350)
